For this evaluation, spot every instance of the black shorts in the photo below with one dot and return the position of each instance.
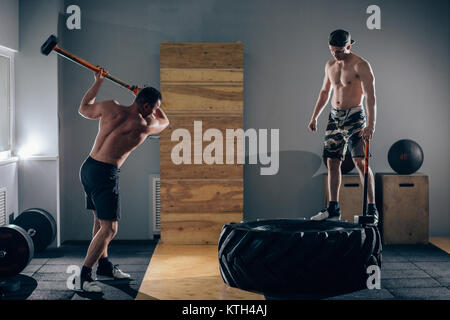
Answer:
(101, 185)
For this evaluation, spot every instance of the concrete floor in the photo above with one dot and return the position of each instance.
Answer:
(408, 272)
(45, 277)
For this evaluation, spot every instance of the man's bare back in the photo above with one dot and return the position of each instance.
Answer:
(120, 132)
(121, 129)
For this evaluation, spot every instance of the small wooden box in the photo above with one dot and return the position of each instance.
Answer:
(350, 195)
(403, 203)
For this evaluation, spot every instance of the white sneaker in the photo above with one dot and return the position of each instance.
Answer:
(111, 271)
(325, 215)
(91, 286)
(119, 274)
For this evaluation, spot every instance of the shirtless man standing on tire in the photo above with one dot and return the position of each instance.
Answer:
(351, 79)
(122, 129)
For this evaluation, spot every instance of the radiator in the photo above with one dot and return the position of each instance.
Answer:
(156, 206)
(3, 220)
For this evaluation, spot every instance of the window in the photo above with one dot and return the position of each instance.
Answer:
(6, 99)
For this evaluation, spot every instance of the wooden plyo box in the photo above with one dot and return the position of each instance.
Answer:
(403, 203)
(350, 195)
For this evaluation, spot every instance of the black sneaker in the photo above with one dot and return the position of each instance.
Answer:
(373, 212)
(324, 214)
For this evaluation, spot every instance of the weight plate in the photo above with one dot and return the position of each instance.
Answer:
(40, 225)
(50, 218)
(16, 250)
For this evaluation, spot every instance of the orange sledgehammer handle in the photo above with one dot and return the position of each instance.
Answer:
(90, 66)
(51, 45)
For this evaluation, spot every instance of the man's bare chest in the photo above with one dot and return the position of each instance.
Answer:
(343, 75)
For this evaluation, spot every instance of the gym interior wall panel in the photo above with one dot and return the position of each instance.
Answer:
(38, 187)
(36, 108)
(195, 228)
(200, 196)
(207, 121)
(202, 55)
(9, 180)
(201, 82)
(37, 79)
(198, 171)
(9, 24)
(194, 98)
(203, 170)
(6, 102)
(212, 76)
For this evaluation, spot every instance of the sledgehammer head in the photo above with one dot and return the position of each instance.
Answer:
(48, 46)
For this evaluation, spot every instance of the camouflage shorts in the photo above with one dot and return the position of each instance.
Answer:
(342, 133)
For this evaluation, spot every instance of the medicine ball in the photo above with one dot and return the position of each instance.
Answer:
(405, 156)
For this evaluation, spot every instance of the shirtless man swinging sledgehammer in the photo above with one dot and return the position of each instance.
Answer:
(351, 79)
(122, 129)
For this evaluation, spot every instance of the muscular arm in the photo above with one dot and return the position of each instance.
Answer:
(368, 87)
(157, 124)
(88, 107)
(160, 115)
(324, 95)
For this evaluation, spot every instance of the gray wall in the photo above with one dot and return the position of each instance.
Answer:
(285, 51)
(9, 38)
(37, 78)
(37, 106)
(9, 180)
(38, 187)
(9, 24)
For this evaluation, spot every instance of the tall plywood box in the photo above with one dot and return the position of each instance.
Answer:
(202, 86)
(402, 201)
(350, 195)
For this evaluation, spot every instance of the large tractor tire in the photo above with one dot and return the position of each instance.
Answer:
(297, 255)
